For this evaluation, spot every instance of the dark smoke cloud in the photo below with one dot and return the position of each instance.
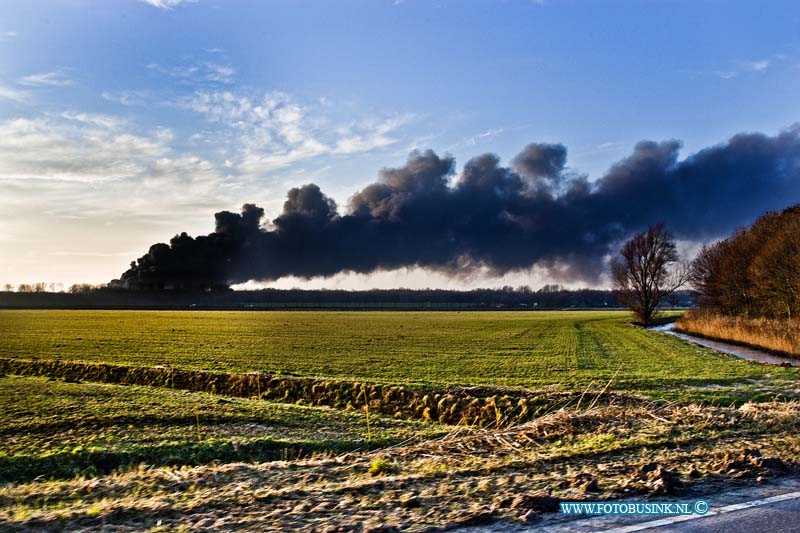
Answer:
(536, 212)
(542, 164)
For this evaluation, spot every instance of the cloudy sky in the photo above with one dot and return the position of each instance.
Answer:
(124, 122)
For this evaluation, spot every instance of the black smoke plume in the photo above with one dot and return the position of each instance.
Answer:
(536, 212)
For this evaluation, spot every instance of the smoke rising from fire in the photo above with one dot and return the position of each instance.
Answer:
(536, 211)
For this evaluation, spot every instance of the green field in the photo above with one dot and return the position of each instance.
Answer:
(80, 456)
(564, 350)
(57, 430)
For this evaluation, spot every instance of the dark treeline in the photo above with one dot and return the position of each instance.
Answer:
(756, 271)
(549, 297)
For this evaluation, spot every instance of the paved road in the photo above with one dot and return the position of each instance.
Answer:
(781, 517)
(763, 515)
(769, 508)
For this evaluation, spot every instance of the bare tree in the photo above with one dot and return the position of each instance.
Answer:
(755, 272)
(647, 270)
(40, 287)
(776, 271)
(705, 275)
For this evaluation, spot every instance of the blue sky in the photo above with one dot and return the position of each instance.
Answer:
(123, 122)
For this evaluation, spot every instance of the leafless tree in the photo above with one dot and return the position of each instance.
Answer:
(647, 270)
(40, 287)
(755, 272)
(776, 271)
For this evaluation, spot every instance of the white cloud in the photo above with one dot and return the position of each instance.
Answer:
(88, 151)
(271, 130)
(479, 138)
(220, 73)
(96, 119)
(167, 4)
(757, 65)
(95, 149)
(369, 135)
(128, 98)
(199, 73)
(737, 68)
(15, 95)
(55, 78)
(8, 35)
(608, 145)
(725, 74)
(486, 135)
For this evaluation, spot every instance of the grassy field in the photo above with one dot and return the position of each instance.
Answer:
(565, 350)
(58, 430)
(82, 456)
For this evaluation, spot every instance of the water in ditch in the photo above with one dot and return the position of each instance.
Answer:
(743, 352)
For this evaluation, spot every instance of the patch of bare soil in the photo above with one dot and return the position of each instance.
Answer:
(470, 476)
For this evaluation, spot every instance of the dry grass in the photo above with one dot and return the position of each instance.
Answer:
(778, 335)
(469, 476)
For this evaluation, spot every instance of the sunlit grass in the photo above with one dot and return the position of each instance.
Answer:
(57, 430)
(562, 350)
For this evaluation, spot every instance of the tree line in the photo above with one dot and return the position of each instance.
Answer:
(756, 271)
(43, 286)
(548, 297)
